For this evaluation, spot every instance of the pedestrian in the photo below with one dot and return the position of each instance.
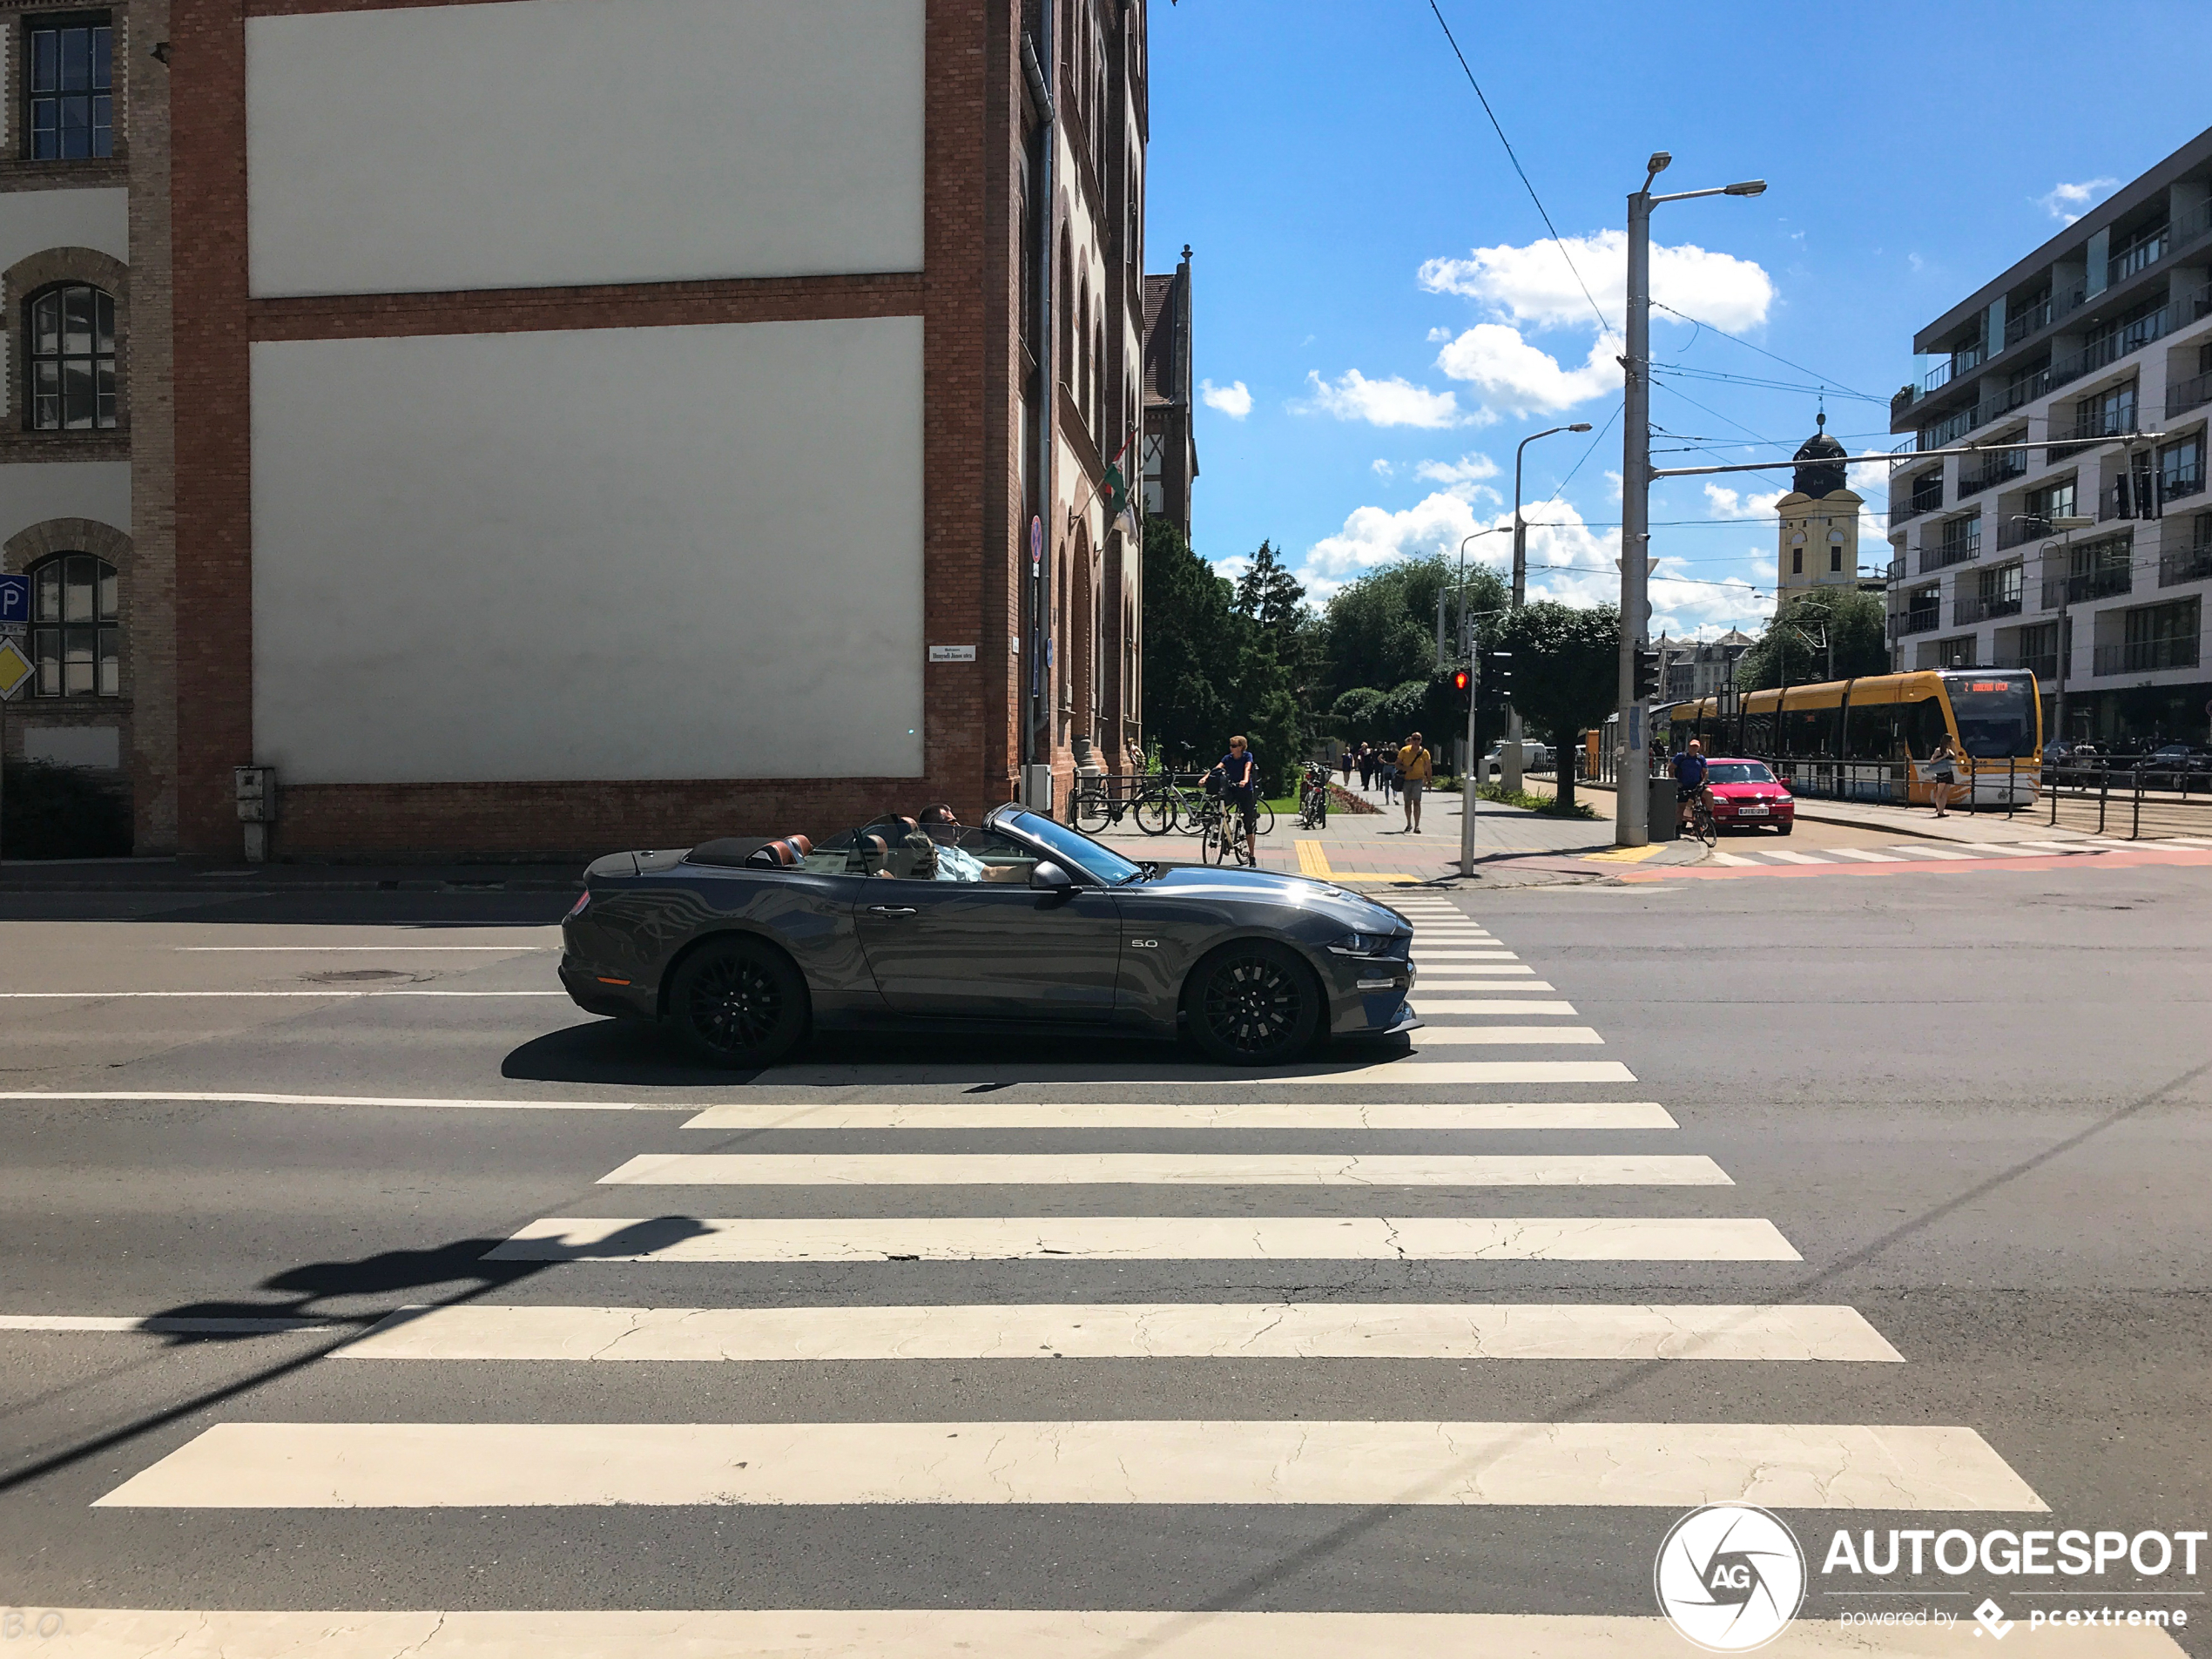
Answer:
(1343, 763)
(1366, 767)
(1416, 769)
(1386, 773)
(1943, 772)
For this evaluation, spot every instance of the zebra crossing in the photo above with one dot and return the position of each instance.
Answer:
(1739, 858)
(886, 1212)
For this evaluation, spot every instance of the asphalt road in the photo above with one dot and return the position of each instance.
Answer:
(1975, 1112)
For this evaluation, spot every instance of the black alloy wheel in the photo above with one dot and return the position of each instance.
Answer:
(1253, 1004)
(739, 1002)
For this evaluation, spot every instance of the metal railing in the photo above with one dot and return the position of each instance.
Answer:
(2147, 656)
(1920, 620)
(2006, 464)
(2044, 664)
(2017, 532)
(1970, 608)
(2189, 564)
(2108, 581)
(1927, 495)
(2183, 395)
(2159, 801)
(2032, 318)
(2139, 253)
(1951, 549)
(2006, 787)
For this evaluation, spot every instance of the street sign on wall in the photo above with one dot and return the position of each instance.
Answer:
(14, 667)
(15, 604)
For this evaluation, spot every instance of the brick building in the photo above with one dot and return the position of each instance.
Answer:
(536, 485)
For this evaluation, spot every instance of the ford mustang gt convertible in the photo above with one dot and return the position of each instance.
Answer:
(745, 946)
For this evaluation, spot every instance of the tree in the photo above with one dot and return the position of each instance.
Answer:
(1379, 678)
(1858, 625)
(1223, 657)
(1566, 673)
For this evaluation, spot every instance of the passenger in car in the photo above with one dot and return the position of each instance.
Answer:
(942, 825)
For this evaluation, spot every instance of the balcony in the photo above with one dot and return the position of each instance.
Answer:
(2139, 253)
(2019, 531)
(1953, 426)
(2030, 319)
(2108, 582)
(1976, 607)
(2006, 464)
(1951, 549)
(2147, 656)
(2190, 563)
(1920, 618)
(2184, 395)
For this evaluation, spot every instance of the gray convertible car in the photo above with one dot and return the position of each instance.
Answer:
(1024, 924)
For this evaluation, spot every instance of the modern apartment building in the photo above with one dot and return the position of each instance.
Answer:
(2082, 351)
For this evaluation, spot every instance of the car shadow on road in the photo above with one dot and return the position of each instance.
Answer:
(633, 1054)
(308, 1291)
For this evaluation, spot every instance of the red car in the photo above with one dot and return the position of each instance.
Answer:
(1747, 796)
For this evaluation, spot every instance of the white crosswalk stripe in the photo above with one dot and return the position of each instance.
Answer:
(920, 1274)
(1782, 857)
(1866, 855)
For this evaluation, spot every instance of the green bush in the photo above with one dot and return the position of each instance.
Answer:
(50, 812)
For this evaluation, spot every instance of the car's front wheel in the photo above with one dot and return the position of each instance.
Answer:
(739, 1002)
(1253, 1003)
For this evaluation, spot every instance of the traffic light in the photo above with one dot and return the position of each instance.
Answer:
(1459, 679)
(1647, 681)
(1497, 674)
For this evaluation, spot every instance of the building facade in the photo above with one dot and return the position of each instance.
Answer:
(2080, 352)
(1696, 668)
(1170, 434)
(85, 446)
(520, 482)
(1819, 522)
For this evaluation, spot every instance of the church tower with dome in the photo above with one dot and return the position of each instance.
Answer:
(1819, 534)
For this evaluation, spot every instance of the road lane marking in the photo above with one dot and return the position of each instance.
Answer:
(1441, 981)
(1501, 970)
(1728, 857)
(1782, 857)
(1403, 1071)
(1445, 1005)
(164, 1325)
(479, 1466)
(1935, 853)
(991, 1112)
(1866, 855)
(1133, 1330)
(1447, 1036)
(240, 1098)
(321, 950)
(1165, 1169)
(104, 996)
(1156, 1238)
(930, 1633)
(1421, 954)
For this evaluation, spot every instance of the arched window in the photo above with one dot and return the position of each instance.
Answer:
(1082, 347)
(71, 352)
(76, 639)
(1067, 308)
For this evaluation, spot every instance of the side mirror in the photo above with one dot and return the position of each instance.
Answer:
(1048, 877)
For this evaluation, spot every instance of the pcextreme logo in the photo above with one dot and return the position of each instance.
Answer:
(1729, 1577)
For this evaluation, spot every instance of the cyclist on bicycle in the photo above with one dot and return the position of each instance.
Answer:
(1238, 771)
(1690, 778)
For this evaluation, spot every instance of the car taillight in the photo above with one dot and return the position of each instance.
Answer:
(577, 909)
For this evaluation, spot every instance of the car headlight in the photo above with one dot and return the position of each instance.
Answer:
(1362, 945)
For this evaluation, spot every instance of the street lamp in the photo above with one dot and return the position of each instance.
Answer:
(1512, 754)
(2066, 525)
(1632, 812)
(1474, 691)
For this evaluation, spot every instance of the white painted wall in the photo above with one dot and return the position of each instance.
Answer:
(33, 220)
(563, 142)
(97, 746)
(34, 491)
(665, 553)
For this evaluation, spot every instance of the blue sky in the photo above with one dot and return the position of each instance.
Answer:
(1372, 275)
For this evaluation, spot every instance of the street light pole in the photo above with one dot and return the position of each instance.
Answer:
(2066, 526)
(1474, 693)
(1512, 751)
(1632, 806)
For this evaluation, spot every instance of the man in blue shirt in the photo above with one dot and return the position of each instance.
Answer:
(1239, 772)
(1690, 778)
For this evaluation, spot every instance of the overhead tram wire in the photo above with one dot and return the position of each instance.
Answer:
(1558, 242)
(1660, 305)
(1723, 375)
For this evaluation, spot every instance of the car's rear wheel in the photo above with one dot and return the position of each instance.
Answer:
(1253, 1003)
(739, 1002)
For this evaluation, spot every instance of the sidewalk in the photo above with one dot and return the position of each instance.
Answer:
(1374, 851)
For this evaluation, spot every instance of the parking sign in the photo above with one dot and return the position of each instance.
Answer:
(15, 601)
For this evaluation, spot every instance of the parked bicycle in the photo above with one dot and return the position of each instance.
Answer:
(1314, 797)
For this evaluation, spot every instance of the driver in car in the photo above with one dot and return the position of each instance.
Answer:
(954, 862)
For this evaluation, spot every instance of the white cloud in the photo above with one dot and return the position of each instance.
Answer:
(1471, 468)
(1233, 401)
(1520, 379)
(1396, 402)
(1533, 285)
(2066, 203)
(1729, 503)
(1384, 469)
(1568, 560)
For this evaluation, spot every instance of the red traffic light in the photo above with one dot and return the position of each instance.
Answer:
(1459, 679)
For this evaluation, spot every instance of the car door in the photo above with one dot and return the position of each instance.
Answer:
(992, 947)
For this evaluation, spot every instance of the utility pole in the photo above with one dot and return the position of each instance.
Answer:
(1632, 807)
(1510, 755)
(2065, 526)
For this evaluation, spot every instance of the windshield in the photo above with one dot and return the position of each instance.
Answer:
(1738, 772)
(1074, 848)
(1996, 714)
